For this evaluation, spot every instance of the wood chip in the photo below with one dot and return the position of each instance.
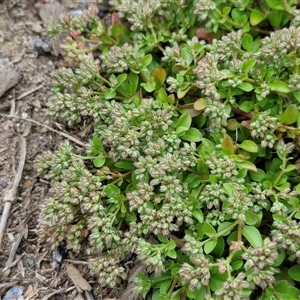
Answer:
(77, 278)
(9, 77)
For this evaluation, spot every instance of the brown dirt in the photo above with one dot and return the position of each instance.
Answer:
(32, 267)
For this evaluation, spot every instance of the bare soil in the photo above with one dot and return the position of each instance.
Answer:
(23, 261)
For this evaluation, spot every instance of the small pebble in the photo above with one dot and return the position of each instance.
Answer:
(59, 254)
(43, 46)
(4, 184)
(15, 293)
(30, 261)
(76, 13)
(3, 62)
(36, 27)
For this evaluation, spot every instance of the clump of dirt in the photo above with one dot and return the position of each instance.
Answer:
(24, 263)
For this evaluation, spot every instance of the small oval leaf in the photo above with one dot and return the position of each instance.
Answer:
(249, 146)
(252, 235)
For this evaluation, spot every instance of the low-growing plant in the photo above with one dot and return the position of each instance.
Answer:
(193, 164)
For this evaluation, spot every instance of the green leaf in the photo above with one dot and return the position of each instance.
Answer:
(149, 86)
(252, 235)
(146, 60)
(208, 229)
(233, 125)
(289, 168)
(290, 115)
(164, 286)
(182, 92)
(279, 86)
(110, 93)
(249, 64)
(112, 190)
(228, 188)
(298, 188)
(159, 75)
(237, 265)
(192, 135)
(162, 239)
(226, 10)
(259, 176)
(125, 165)
(245, 86)
(210, 246)
(130, 216)
(292, 293)
(275, 18)
(246, 165)
(219, 249)
(162, 96)
(249, 146)
(281, 286)
(247, 43)
(278, 218)
(253, 218)
(247, 106)
(275, 4)
(172, 253)
(185, 121)
(294, 272)
(193, 180)
(297, 95)
(171, 245)
(217, 280)
(181, 130)
(99, 162)
(97, 145)
(197, 213)
(223, 226)
(186, 54)
(200, 104)
(121, 78)
(256, 17)
(202, 166)
(227, 145)
(279, 260)
(130, 85)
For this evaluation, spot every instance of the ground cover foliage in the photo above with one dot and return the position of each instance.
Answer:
(193, 165)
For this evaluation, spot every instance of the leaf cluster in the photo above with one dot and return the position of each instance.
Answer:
(193, 163)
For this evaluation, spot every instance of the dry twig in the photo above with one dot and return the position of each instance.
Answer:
(71, 138)
(10, 195)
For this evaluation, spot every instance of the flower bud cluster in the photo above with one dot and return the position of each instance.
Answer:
(108, 271)
(152, 256)
(223, 167)
(259, 196)
(132, 131)
(197, 274)
(213, 195)
(275, 49)
(261, 126)
(217, 113)
(259, 263)
(233, 288)
(287, 235)
(122, 58)
(51, 165)
(139, 13)
(202, 9)
(208, 75)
